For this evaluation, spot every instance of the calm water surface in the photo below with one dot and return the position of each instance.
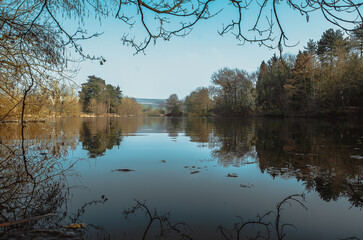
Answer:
(212, 175)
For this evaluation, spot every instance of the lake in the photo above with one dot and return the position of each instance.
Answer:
(183, 178)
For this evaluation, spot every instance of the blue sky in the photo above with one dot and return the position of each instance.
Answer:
(183, 64)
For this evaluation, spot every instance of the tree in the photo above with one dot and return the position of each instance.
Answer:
(311, 47)
(129, 107)
(178, 18)
(299, 87)
(174, 106)
(32, 55)
(262, 91)
(234, 92)
(34, 43)
(98, 98)
(198, 102)
(270, 84)
(113, 98)
(63, 99)
(328, 43)
(357, 39)
(92, 89)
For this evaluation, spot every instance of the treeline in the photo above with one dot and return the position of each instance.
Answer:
(60, 98)
(57, 99)
(327, 77)
(324, 78)
(101, 99)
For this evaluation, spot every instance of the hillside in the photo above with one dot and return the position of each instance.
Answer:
(154, 103)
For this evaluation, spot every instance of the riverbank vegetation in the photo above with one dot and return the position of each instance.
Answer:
(325, 78)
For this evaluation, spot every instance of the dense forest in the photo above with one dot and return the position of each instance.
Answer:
(325, 78)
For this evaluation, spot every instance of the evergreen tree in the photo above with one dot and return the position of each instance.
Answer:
(298, 87)
(328, 43)
(98, 98)
(357, 39)
(311, 46)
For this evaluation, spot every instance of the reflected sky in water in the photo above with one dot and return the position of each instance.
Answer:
(205, 172)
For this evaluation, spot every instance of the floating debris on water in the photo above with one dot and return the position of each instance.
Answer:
(357, 157)
(123, 170)
(193, 169)
(246, 185)
(74, 226)
(163, 161)
(232, 175)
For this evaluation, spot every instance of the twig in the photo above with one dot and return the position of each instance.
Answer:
(6, 224)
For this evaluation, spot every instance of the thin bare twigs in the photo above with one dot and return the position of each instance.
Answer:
(166, 227)
(264, 223)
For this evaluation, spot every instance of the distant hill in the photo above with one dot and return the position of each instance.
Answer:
(154, 103)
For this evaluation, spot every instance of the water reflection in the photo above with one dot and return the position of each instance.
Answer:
(322, 156)
(236, 142)
(33, 174)
(99, 134)
(34, 189)
(316, 154)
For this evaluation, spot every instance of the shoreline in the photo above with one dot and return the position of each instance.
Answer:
(315, 115)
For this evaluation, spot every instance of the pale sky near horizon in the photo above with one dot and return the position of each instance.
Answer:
(183, 64)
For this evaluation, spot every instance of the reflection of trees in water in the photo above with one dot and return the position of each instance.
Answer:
(39, 189)
(99, 134)
(231, 140)
(158, 225)
(263, 227)
(33, 200)
(267, 226)
(237, 142)
(317, 154)
(174, 126)
(202, 131)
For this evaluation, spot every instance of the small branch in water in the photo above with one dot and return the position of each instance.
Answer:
(81, 211)
(246, 185)
(6, 224)
(232, 175)
(123, 170)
